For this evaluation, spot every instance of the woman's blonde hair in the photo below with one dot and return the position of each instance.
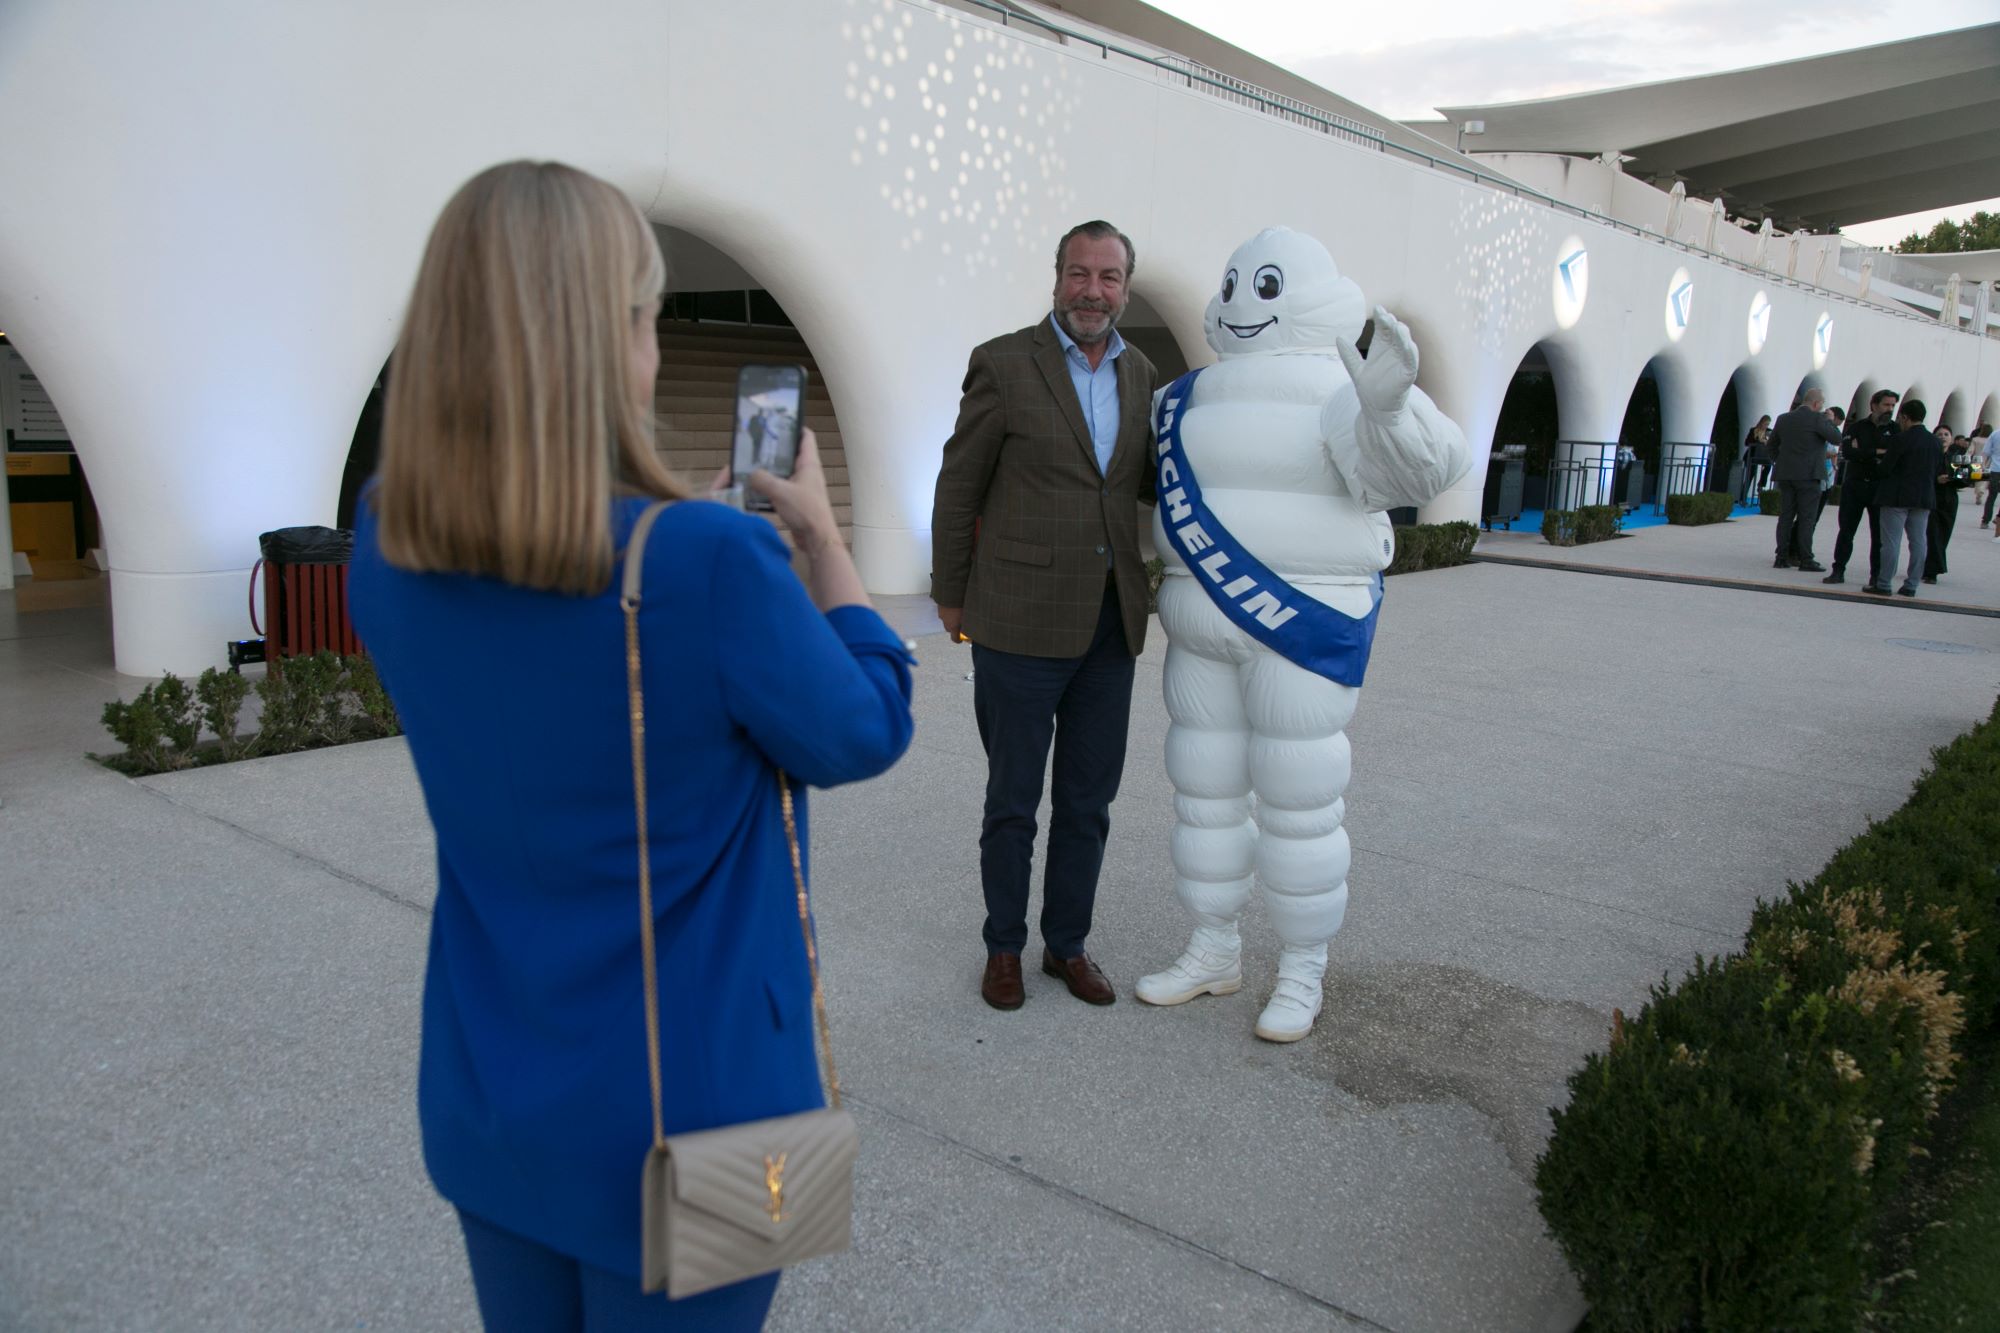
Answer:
(510, 420)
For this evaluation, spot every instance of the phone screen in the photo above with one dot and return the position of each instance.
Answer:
(770, 413)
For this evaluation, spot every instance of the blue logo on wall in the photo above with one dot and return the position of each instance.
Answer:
(1823, 335)
(1567, 268)
(1683, 299)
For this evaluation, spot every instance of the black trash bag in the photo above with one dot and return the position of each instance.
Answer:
(307, 546)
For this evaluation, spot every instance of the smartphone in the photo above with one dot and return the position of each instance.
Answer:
(770, 414)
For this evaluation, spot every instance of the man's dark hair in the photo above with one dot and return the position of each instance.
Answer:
(1837, 414)
(1097, 230)
(1914, 409)
(1875, 399)
(1982, 431)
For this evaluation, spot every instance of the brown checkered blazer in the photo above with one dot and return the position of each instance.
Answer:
(1020, 462)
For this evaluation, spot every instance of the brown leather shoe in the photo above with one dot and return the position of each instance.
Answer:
(1083, 977)
(1001, 986)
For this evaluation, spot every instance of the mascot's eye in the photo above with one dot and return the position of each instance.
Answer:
(1270, 281)
(1229, 286)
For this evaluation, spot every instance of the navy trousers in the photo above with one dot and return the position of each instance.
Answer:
(1798, 512)
(1857, 499)
(525, 1287)
(1084, 705)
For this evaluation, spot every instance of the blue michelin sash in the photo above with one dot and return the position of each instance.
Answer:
(1310, 633)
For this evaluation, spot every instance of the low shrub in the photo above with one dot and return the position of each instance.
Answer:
(310, 702)
(1693, 510)
(1422, 546)
(1729, 1160)
(1574, 527)
(1767, 501)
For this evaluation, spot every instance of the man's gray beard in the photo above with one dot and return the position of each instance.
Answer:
(1111, 322)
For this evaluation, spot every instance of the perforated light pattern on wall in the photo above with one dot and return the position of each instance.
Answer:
(1497, 238)
(964, 149)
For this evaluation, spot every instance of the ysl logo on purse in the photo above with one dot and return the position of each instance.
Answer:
(774, 1181)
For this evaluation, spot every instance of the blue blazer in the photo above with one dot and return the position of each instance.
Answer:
(532, 1088)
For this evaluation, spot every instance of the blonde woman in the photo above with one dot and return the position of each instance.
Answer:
(517, 452)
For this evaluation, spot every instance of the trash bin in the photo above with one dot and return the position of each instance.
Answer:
(305, 592)
(1505, 481)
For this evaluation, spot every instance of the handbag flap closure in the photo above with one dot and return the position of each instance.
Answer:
(756, 1176)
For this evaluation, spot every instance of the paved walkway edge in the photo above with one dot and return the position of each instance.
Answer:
(1740, 585)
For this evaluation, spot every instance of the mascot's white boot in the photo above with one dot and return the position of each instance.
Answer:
(1212, 964)
(1274, 468)
(1295, 1000)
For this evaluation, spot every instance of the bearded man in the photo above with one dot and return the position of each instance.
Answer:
(1035, 559)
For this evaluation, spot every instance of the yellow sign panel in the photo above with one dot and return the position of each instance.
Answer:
(45, 529)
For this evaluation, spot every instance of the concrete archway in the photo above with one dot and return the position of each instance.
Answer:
(1528, 425)
(1145, 327)
(1726, 433)
(58, 525)
(1951, 413)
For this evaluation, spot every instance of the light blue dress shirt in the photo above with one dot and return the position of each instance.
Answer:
(1096, 390)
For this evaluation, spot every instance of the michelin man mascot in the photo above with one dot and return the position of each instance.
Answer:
(1274, 467)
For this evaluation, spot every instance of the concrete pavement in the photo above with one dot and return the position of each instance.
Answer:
(1738, 554)
(1564, 789)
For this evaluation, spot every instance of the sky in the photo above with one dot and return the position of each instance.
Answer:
(1404, 59)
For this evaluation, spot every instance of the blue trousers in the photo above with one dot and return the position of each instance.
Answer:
(1084, 705)
(525, 1287)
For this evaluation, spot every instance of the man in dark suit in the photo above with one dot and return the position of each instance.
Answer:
(1801, 438)
(1858, 451)
(1035, 558)
(1909, 469)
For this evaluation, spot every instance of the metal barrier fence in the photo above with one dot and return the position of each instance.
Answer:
(1589, 480)
(1680, 474)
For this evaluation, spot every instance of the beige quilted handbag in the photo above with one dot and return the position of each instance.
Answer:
(722, 1205)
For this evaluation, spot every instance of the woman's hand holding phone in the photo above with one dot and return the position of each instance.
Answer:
(801, 505)
(800, 500)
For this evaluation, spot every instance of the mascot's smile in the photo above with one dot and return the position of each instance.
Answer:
(1248, 330)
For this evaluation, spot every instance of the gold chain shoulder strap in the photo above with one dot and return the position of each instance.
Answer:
(635, 692)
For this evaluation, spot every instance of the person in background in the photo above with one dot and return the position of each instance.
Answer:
(1957, 475)
(1803, 436)
(1756, 457)
(1987, 450)
(1828, 470)
(517, 453)
(1860, 449)
(1908, 469)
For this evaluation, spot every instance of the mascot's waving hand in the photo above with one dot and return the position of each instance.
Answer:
(1274, 467)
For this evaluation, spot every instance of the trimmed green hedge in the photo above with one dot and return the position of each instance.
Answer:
(1574, 527)
(1422, 546)
(1727, 1161)
(308, 702)
(1699, 508)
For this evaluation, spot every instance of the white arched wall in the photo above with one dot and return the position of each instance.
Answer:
(1950, 413)
(211, 266)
